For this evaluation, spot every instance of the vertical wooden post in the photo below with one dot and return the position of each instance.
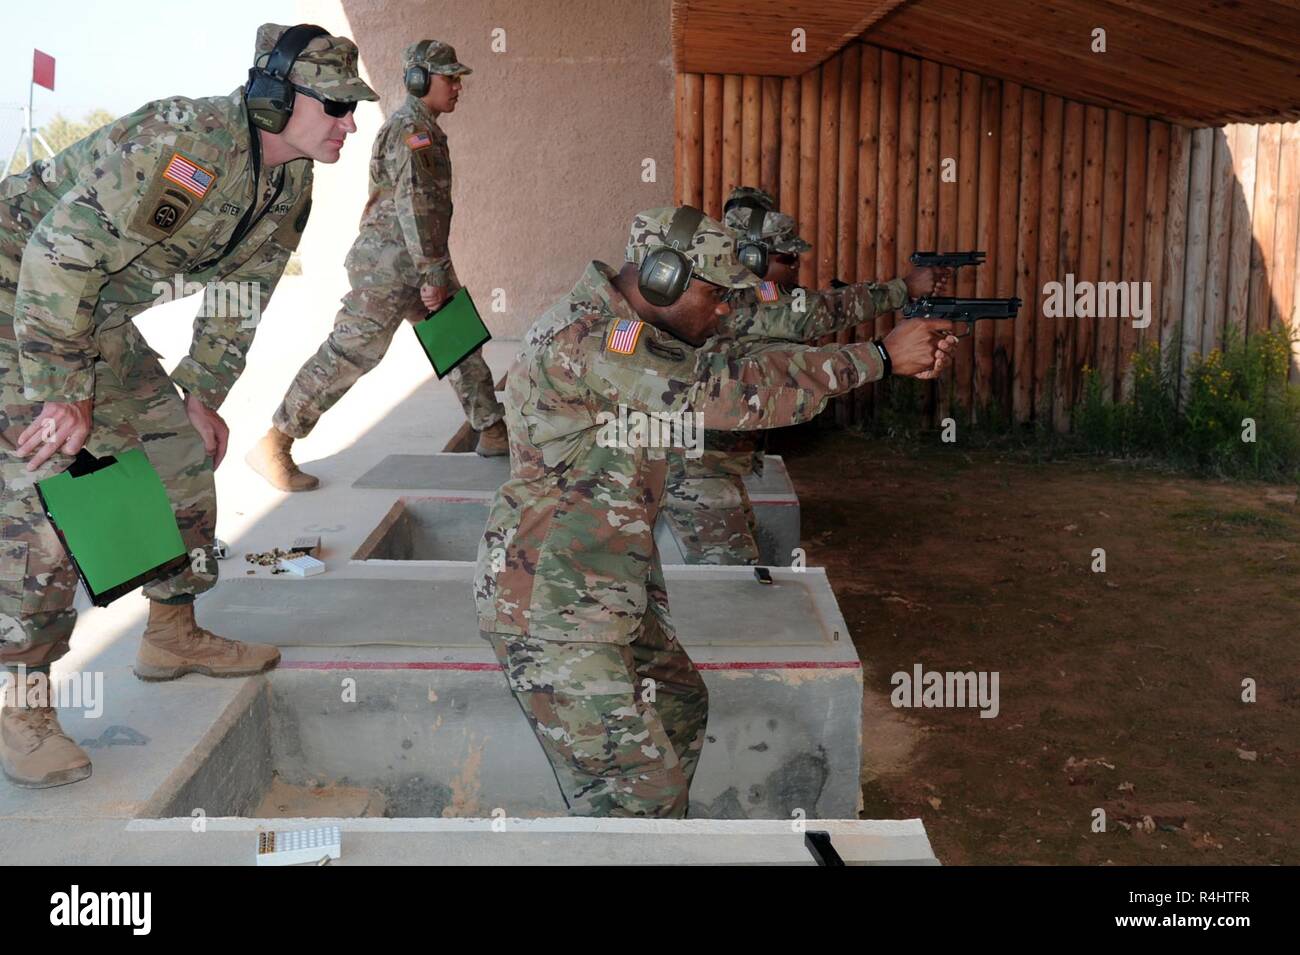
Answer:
(1135, 176)
(1157, 208)
(1267, 165)
(770, 148)
(828, 155)
(927, 177)
(751, 111)
(788, 198)
(1065, 388)
(1008, 237)
(1282, 274)
(712, 195)
(1198, 233)
(1094, 155)
(910, 135)
(846, 206)
(1112, 249)
(968, 169)
(846, 209)
(946, 221)
(987, 241)
(887, 204)
(732, 133)
(679, 134)
(692, 191)
(1171, 306)
(1049, 246)
(1031, 145)
(1218, 258)
(810, 98)
(868, 173)
(1245, 141)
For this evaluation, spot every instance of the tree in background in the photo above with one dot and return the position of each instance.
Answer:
(61, 132)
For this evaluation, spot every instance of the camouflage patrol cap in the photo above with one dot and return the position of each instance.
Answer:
(741, 193)
(438, 58)
(327, 66)
(712, 250)
(778, 230)
(787, 236)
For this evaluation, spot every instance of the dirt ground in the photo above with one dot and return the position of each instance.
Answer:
(1119, 690)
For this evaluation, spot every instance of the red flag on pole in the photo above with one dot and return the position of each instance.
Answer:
(43, 69)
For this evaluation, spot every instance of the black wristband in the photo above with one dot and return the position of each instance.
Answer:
(884, 357)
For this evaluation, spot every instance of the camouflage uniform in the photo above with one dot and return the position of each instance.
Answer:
(569, 586)
(401, 246)
(91, 238)
(706, 501)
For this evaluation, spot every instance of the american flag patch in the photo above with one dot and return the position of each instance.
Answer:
(623, 336)
(767, 292)
(189, 175)
(419, 140)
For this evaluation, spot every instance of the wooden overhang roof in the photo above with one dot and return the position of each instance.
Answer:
(1194, 62)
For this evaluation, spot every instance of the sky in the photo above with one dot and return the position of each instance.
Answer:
(119, 55)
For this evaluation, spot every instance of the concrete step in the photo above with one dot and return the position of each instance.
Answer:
(433, 728)
(469, 477)
(565, 841)
(450, 528)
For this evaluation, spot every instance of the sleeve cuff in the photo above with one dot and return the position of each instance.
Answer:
(870, 356)
(439, 276)
(895, 294)
(193, 378)
(46, 383)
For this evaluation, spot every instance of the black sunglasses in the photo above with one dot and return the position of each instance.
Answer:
(337, 108)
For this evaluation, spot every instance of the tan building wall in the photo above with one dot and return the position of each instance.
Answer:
(547, 143)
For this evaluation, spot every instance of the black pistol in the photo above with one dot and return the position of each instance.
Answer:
(946, 260)
(966, 311)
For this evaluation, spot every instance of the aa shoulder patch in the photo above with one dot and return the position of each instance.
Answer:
(189, 175)
(419, 141)
(623, 336)
(767, 292)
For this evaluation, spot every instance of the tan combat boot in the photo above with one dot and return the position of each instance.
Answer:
(34, 751)
(173, 645)
(270, 458)
(493, 441)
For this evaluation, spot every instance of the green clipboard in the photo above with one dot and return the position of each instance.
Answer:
(452, 333)
(115, 522)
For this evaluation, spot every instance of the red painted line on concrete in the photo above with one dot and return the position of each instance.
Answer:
(788, 665)
(452, 498)
(382, 665)
(430, 665)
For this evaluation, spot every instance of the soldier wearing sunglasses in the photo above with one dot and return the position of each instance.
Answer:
(336, 108)
(182, 190)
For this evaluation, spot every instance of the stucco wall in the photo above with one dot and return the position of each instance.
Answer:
(547, 142)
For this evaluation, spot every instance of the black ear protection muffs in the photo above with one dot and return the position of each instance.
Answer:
(269, 95)
(666, 270)
(752, 251)
(417, 77)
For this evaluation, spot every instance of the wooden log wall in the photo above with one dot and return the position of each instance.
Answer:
(877, 154)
